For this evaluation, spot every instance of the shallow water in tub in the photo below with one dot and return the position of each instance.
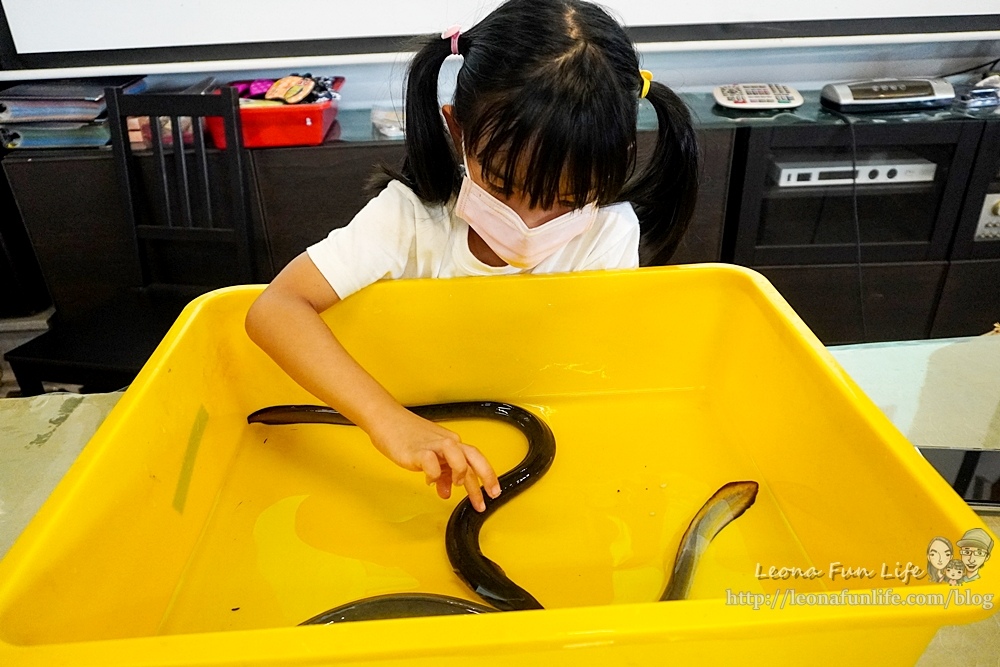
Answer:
(314, 517)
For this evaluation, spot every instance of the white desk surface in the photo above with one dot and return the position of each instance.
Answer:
(940, 393)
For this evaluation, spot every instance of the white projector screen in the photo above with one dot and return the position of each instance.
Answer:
(59, 26)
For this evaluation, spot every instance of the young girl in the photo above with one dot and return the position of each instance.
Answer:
(532, 169)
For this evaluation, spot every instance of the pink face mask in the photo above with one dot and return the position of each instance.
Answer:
(505, 233)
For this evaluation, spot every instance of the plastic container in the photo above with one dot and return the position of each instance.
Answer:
(286, 125)
(184, 536)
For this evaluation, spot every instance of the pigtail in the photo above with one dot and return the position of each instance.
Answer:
(429, 168)
(664, 194)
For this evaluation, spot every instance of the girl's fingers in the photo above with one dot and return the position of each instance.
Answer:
(475, 493)
(435, 474)
(470, 457)
(454, 456)
(456, 463)
(429, 464)
(444, 485)
(483, 470)
(445, 478)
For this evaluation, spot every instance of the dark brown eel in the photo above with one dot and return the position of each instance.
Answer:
(483, 576)
(725, 505)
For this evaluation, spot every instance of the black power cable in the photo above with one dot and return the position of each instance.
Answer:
(857, 220)
(988, 65)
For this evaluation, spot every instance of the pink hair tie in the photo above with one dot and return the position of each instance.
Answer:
(453, 33)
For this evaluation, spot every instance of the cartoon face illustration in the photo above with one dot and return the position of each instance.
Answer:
(973, 557)
(954, 571)
(975, 547)
(939, 553)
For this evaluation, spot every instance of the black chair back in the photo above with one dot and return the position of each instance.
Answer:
(188, 208)
(189, 221)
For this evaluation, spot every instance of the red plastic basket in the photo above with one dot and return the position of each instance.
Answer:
(286, 125)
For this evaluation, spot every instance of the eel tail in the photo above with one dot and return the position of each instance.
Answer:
(725, 505)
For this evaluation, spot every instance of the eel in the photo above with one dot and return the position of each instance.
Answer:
(478, 572)
(398, 605)
(725, 505)
(483, 576)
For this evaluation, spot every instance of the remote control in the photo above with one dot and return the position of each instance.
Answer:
(751, 96)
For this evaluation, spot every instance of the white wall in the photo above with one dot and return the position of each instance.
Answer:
(40, 26)
(806, 63)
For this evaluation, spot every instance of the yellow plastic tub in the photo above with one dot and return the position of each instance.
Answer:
(185, 536)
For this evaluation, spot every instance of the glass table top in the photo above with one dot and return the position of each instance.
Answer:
(355, 124)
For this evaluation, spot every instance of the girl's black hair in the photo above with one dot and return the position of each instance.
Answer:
(547, 98)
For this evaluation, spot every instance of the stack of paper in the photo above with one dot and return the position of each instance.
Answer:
(57, 114)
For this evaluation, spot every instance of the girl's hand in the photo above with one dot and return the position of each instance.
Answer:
(284, 321)
(415, 443)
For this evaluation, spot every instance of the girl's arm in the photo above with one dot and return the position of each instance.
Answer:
(284, 321)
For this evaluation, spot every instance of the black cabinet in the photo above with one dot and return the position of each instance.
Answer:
(873, 302)
(854, 224)
(929, 266)
(74, 215)
(801, 185)
(72, 210)
(702, 242)
(970, 300)
(22, 287)
(978, 233)
(306, 192)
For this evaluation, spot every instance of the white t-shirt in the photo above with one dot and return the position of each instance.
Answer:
(396, 235)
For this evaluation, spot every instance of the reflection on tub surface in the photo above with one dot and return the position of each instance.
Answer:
(297, 571)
